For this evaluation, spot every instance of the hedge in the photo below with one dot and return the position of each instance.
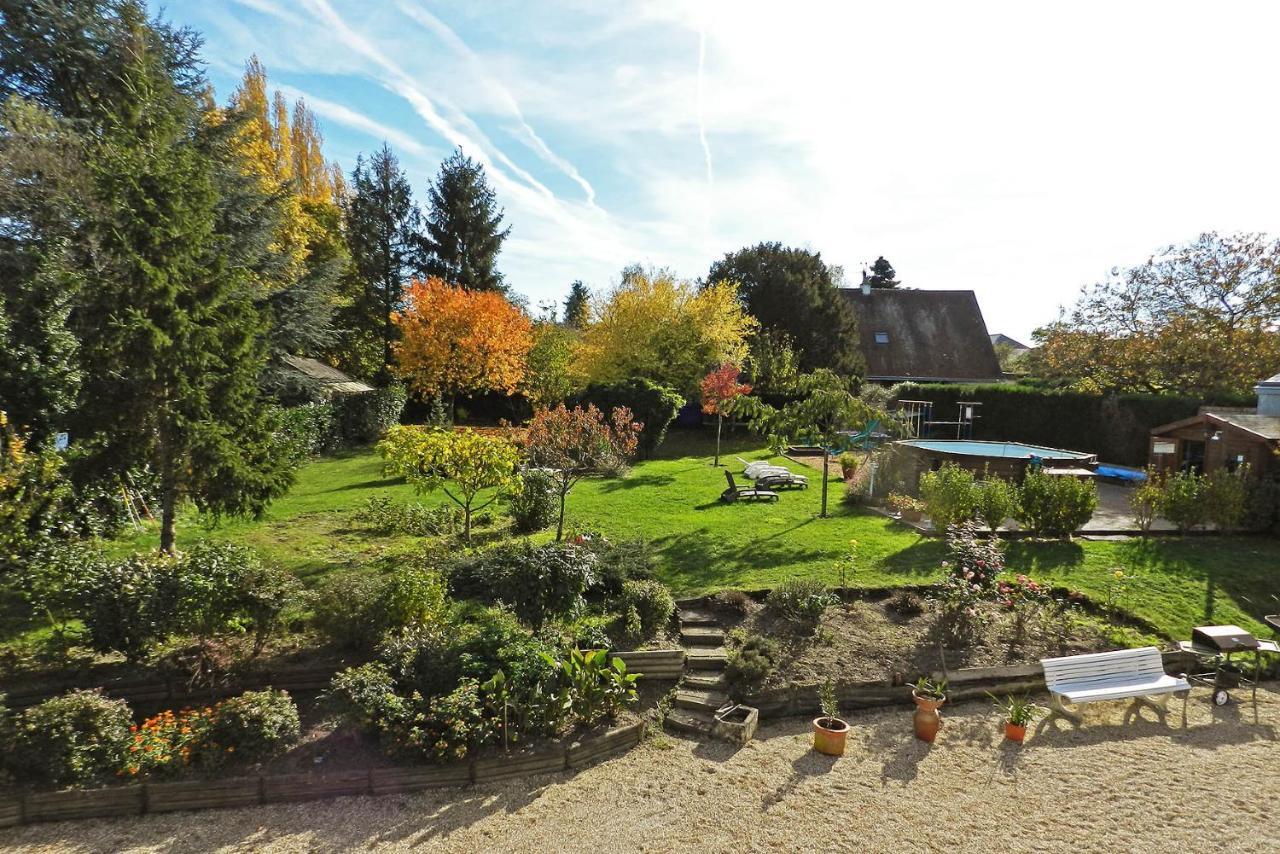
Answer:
(1115, 427)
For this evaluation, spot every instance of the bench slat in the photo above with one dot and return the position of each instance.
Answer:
(1110, 675)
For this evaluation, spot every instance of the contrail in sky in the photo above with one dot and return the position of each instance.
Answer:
(702, 124)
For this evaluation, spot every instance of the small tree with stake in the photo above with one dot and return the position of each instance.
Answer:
(720, 391)
(822, 415)
(577, 442)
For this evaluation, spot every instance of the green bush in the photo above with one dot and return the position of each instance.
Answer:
(1052, 506)
(356, 611)
(655, 406)
(800, 601)
(254, 726)
(1144, 500)
(973, 559)
(535, 506)
(363, 418)
(129, 606)
(995, 500)
(225, 588)
(80, 737)
(51, 579)
(652, 605)
(308, 431)
(364, 697)
(414, 593)
(751, 658)
(617, 563)
(390, 518)
(1182, 501)
(539, 582)
(595, 686)
(591, 632)
(949, 496)
(1226, 498)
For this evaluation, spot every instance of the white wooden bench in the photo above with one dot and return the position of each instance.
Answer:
(1136, 674)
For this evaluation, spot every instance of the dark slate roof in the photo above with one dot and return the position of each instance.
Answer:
(932, 335)
(326, 376)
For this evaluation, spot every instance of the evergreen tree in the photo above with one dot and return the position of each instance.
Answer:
(170, 331)
(464, 234)
(791, 291)
(577, 304)
(383, 226)
(882, 274)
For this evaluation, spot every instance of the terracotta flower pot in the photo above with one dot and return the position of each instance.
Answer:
(927, 720)
(829, 735)
(912, 516)
(1015, 732)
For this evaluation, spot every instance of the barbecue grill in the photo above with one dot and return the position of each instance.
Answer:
(1212, 648)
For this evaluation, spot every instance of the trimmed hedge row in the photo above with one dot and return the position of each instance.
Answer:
(1115, 427)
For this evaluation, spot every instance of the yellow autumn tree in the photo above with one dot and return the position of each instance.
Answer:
(455, 341)
(655, 326)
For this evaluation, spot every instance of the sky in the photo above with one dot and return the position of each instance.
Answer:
(1018, 149)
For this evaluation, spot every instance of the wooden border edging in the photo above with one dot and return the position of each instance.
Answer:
(74, 804)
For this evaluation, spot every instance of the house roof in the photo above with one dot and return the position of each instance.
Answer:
(909, 334)
(329, 377)
(1263, 426)
(998, 338)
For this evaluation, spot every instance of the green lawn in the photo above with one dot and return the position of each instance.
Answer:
(704, 545)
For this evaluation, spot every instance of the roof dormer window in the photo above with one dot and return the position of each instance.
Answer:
(882, 337)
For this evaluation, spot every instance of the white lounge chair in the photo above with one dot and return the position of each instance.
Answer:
(1136, 674)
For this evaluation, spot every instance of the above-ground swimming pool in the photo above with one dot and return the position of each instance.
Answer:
(1004, 459)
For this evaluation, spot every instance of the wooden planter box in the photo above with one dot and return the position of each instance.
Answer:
(10, 812)
(204, 794)
(581, 753)
(509, 767)
(83, 803)
(307, 787)
(390, 781)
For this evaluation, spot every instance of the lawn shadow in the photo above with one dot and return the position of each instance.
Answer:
(380, 483)
(636, 481)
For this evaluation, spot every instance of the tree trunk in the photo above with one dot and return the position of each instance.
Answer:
(826, 458)
(466, 523)
(168, 521)
(719, 424)
(564, 494)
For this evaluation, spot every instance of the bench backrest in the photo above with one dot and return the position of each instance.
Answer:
(729, 477)
(1104, 667)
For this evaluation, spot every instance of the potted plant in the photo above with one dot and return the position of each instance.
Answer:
(929, 697)
(829, 731)
(848, 464)
(909, 509)
(1018, 713)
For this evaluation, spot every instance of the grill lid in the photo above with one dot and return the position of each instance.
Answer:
(1223, 638)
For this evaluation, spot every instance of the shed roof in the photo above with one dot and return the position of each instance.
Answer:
(909, 334)
(1263, 426)
(327, 376)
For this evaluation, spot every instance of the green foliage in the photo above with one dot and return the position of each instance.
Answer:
(77, 738)
(577, 305)
(650, 602)
(254, 726)
(1226, 497)
(828, 701)
(591, 632)
(1144, 500)
(307, 431)
(882, 274)
(949, 495)
(129, 606)
(534, 506)
(751, 658)
(995, 499)
(33, 495)
(1052, 506)
(364, 696)
(539, 582)
(356, 611)
(594, 686)
(933, 690)
(50, 581)
(550, 379)
(972, 558)
(1182, 500)
(365, 418)
(1017, 710)
(464, 233)
(225, 588)
(385, 516)
(800, 601)
(652, 405)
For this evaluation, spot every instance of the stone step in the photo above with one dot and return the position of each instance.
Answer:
(707, 680)
(702, 635)
(700, 700)
(689, 722)
(705, 658)
(694, 617)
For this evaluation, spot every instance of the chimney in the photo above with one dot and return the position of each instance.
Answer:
(866, 284)
(1269, 396)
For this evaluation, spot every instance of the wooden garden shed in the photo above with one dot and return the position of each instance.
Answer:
(1217, 438)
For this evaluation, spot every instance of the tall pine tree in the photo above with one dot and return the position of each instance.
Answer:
(464, 226)
(577, 304)
(882, 274)
(383, 233)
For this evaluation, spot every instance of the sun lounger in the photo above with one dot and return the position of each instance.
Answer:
(736, 493)
(782, 479)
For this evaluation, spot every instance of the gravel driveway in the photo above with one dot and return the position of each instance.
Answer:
(1110, 786)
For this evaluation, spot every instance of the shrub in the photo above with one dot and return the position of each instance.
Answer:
(449, 727)
(959, 603)
(948, 495)
(387, 517)
(1144, 500)
(595, 686)
(251, 727)
(800, 601)
(363, 418)
(904, 503)
(166, 743)
(1053, 506)
(751, 658)
(413, 593)
(539, 582)
(617, 563)
(80, 737)
(972, 558)
(1182, 500)
(225, 587)
(307, 431)
(653, 405)
(995, 499)
(591, 632)
(1226, 496)
(346, 610)
(534, 506)
(906, 604)
(736, 601)
(129, 606)
(364, 696)
(849, 462)
(651, 603)
(50, 581)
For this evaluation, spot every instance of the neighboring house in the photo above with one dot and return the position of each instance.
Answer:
(1220, 437)
(999, 339)
(923, 336)
(299, 371)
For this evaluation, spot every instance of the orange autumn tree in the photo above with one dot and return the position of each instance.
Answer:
(454, 341)
(720, 389)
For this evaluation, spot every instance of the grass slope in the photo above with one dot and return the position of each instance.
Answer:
(704, 545)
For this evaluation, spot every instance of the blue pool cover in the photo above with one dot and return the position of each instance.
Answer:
(1121, 473)
(1014, 450)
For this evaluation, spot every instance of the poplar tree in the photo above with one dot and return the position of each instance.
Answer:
(464, 226)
